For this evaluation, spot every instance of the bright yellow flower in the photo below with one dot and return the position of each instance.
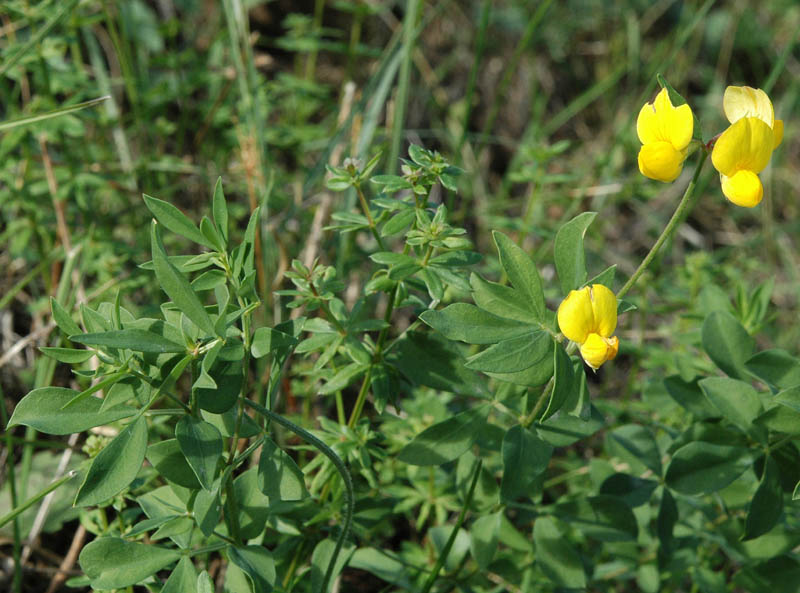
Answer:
(588, 317)
(744, 149)
(665, 132)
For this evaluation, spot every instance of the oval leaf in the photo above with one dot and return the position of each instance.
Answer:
(201, 444)
(113, 563)
(568, 251)
(42, 409)
(446, 440)
(177, 286)
(701, 468)
(138, 340)
(522, 273)
(115, 467)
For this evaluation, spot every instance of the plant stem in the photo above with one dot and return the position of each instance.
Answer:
(365, 207)
(446, 550)
(35, 498)
(681, 212)
(349, 493)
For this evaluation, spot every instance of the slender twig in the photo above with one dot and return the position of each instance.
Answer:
(681, 212)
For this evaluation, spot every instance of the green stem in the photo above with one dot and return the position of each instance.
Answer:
(365, 207)
(12, 487)
(681, 212)
(35, 498)
(349, 495)
(446, 550)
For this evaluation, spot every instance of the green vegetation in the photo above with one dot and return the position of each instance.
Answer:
(279, 294)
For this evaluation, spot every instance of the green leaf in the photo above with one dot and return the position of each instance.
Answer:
(256, 562)
(633, 491)
(212, 234)
(702, 468)
(67, 355)
(175, 220)
(499, 300)
(115, 466)
(278, 474)
(183, 578)
(789, 398)
(266, 339)
(777, 368)
(605, 518)
(727, 343)
(564, 430)
(344, 377)
(63, 319)
(767, 505)
(689, 395)
(446, 440)
(220, 210)
(736, 400)
(569, 256)
(177, 287)
(137, 340)
(556, 557)
(167, 458)
(204, 583)
(522, 273)
(468, 323)
(43, 409)
(113, 563)
(564, 382)
(201, 444)
(253, 506)
(431, 360)
(635, 444)
(525, 457)
(483, 538)
(382, 565)
(666, 520)
(516, 354)
(208, 509)
(320, 559)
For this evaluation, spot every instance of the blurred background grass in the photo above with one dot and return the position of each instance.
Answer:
(535, 100)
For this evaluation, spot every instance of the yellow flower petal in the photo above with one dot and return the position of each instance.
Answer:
(575, 316)
(777, 133)
(595, 350)
(660, 161)
(647, 124)
(747, 144)
(613, 347)
(743, 189)
(744, 101)
(604, 307)
(660, 121)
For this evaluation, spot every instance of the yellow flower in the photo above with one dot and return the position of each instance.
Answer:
(588, 317)
(665, 132)
(744, 149)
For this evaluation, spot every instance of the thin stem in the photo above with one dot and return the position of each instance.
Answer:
(35, 498)
(12, 486)
(681, 212)
(349, 494)
(446, 550)
(372, 226)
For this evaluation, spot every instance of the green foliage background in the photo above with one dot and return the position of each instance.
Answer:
(536, 103)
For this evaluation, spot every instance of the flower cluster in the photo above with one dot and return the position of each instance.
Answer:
(740, 153)
(588, 317)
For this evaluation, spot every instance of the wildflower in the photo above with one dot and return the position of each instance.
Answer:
(744, 149)
(665, 132)
(588, 317)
